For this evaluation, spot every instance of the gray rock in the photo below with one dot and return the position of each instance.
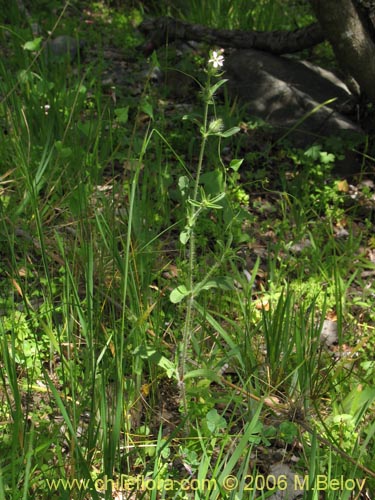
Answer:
(64, 46)
(289, 479)
(283, 91)
(329, 334)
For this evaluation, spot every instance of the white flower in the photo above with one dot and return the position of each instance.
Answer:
(217, 59)
(46, 108)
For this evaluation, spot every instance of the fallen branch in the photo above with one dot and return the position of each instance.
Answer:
(164, 29)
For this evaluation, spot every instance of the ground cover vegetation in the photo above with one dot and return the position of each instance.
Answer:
(186, 306)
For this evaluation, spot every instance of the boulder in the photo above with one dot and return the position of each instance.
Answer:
(63, 46)
(288, 94)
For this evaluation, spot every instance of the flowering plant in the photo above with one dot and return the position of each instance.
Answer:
(217, 58)
(196, 204)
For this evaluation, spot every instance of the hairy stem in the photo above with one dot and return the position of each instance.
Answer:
(189, 310)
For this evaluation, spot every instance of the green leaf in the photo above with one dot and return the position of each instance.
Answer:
(235, 165)
(288, 431)
(213, 181)
(33, 45)
(229, 132)
(154, 60)
(183, 184)
(64, 152)
(217, 85)
(122, 114)
(222, 282)
(156, 358)
(215, 421)
(178, 294)
(268, 433)
(211, 375)
(86, 128)
(185, 236)
(82, 89)
(358, 400)
(313, 152)
(194, 118)
(147, 108)
(327, 158)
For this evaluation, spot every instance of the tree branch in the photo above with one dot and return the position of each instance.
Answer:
(165, 29)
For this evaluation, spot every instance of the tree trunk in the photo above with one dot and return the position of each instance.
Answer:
(351, 41)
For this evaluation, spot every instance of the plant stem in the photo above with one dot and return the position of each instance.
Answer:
(189, 310)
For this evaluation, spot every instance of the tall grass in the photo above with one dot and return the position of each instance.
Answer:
(265, 15)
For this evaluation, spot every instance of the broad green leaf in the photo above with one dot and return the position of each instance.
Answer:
(288, 431)
(86, 128)
(215, 421)
(313, 152)
(33, 45)
(82, 89)
(185, 236)
(147, 108)
(222, 282)
(178, 294)
(327, 158)
(64, 152)
(203, 372)
(122, 114)
(183, 184)
(235, 165)
(155, 357)
(213, 181)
